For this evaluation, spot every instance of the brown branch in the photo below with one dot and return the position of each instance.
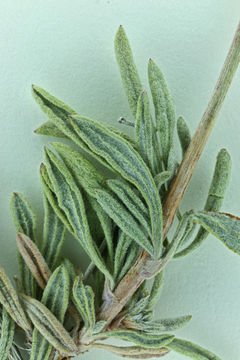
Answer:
(134, 278)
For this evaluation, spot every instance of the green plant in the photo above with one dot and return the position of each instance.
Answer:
(60, 313)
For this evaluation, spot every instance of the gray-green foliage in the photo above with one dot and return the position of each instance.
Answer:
(124, 199)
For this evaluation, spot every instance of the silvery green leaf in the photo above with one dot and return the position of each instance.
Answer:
(123, 218)
(133, 352)
(164, 109)
(84, 301)
(55, 297)
(99, 326)
(140, 305)
(130, 166)
(132, 201)
(70, 270)
(34, 259)
(191, 350)
(129, 260)
(52, 199)
(58, 112)
(123, 244)
(50, 129)
(25, 222)
(7, 334)
(161, 178)
(48, 325)
(155, 290)
(183, 134)
(136, 337)
(215, 197)
(159, 326)
(130, 78)
(144, 130)
(53, 235)
(9, 299)
(71, 202)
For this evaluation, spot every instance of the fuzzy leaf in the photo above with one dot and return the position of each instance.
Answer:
(162, 325)
(99, 326)
(215, 197)
(55, 298)
(191, 350)
(50, 129)
(132, 202)
(155, 290)
(144, 130)
(130, 78)
(9, 299)
(133, 352)
(125, 160)
(136, 337)
(129, 260)
(53, 235)
(84, 301)
(164, 109)
(183, 134)
(123, 245)
(71, 202)
(34, 259)
(25, 222)
(121, 216)
(162, 178)
(48, 325)
(7, 335)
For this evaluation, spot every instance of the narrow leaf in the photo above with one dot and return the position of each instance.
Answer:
(50, 129)
(121, 216)
(155, 290)
(159, 326)
(7, 335)
(125, 160)
(55, 298)
(9, 299)
(130, 78)
(183, 134)
(130, 259)
(136, 337)
(84, 301)
(191, 350)
(25, 222)
(71, 202)
(164, 109)
(123, 245)
(161, 178)
(48, 325)
(132, 201)
(53, 235)
(144, 130)
(33, 259)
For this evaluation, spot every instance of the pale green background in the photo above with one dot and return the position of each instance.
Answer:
(67, 48)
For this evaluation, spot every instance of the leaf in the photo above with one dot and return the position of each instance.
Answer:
(133, 352)
(25, 222)
(9, 299)
(144, 130)
(130, 78)
(191, 350)
(123, 218)
(132, 202)
(127, 162)
(183, 134)
(161, 178)
(71, 202)
(99, 326)
(130, 259)
(162, 325)
(84, 301)
(33, 259)
(55, 298)
(58, 112)
(50, 129)
(123, 245)
(164, 109)
(215, 197)
(7, 335)
(136, 337)
(50, 196)
(48, 325)
(53, 235)
(155, 290)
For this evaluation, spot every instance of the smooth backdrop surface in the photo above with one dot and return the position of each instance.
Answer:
(67, 48)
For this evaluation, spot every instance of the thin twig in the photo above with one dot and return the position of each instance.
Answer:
(134, 278)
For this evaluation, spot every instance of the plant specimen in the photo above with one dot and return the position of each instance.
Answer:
(64, 311)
